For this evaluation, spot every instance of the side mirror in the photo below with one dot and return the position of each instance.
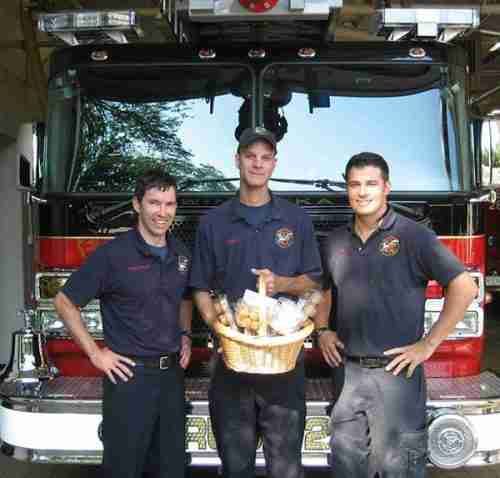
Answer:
(24, 174)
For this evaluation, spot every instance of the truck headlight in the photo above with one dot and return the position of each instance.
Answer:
(452, 440)
(469, 326)
(52, 324)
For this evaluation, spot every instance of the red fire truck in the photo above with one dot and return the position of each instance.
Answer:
(115, 109)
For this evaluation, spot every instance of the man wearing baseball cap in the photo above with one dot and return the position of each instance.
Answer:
(256, 234)
(252, 135)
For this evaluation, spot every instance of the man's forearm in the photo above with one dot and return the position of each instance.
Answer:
(459, 294)
(72, 318)
(205, 306)
(322, 317)
(295, 285)
(186, 315)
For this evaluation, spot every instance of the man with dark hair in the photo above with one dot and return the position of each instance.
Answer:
(362, 160)
(378, 266)
(256, 234)
(140, 279)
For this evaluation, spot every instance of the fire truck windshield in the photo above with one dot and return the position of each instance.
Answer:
(187, 119)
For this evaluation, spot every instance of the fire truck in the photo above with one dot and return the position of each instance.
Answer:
(117, 105)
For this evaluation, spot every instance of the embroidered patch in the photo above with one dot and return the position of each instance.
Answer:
(389, 246)
(183, 264)
(284, 237)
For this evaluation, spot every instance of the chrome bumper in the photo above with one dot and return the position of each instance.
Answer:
(63, 426)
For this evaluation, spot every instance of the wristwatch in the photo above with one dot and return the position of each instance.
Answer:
(187, 333)
(320, 331)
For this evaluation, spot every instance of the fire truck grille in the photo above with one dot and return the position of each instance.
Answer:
(184, 227)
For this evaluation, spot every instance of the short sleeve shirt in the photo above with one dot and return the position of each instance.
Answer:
(139, 294)
(380, 284)
(228, 247)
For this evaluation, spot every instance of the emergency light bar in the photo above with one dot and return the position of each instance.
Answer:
(427, 23)
(68, 25)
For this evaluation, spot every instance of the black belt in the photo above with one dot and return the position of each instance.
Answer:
(162, 362)
(369, 362)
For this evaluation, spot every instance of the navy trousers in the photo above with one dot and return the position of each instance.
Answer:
(378, 424)
(244, 407)
(144, 424)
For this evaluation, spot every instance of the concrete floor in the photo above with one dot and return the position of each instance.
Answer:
(10, 468)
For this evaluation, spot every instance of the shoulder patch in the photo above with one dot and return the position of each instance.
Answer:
(389, 246)
(284, 237)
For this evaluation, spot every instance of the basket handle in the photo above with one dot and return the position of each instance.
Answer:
(261, 286)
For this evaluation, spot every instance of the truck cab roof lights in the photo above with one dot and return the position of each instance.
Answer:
(257, 53)
(75, 27)
(306, 53)
(417, 52)
(99, 55)
(207, 54)
(426, 23)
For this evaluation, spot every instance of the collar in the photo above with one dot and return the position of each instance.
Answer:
(276, 208)
(143, 246)
(388, 220)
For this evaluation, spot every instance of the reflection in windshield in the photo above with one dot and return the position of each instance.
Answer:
(121, 124)
(406, 130)
(119, 141)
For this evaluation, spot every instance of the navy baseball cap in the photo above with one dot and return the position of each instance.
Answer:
(251, 135)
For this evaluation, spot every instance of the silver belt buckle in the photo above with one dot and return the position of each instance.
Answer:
(164, 362)
(370, 362)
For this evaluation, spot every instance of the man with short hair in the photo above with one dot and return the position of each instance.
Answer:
(140, 279)
(256, 234)
(378, 266)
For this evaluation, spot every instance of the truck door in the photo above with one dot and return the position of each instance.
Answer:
(486, 132)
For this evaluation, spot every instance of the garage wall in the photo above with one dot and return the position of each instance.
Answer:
(14, 140)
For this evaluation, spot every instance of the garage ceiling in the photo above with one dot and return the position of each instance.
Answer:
(24, 52)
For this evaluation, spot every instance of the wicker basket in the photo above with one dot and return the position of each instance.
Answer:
(265, 355)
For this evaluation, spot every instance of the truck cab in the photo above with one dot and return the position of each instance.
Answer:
(116, 110)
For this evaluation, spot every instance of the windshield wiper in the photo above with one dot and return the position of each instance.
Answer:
(193, 182)
(325, 184)
(319, 183)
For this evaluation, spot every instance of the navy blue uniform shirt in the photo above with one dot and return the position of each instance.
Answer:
(228, 247)
(139, 294)
(380, 285)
